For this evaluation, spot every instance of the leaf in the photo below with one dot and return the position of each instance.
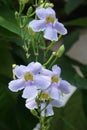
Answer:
(70, 74)
(70, 39)
(77, 22)
(72, 116)
(71, 5)
(9, 26)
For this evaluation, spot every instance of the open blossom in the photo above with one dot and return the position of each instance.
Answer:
(40, 85)
(57, 86)
(48, 23)
(28, 78)
(53, 95)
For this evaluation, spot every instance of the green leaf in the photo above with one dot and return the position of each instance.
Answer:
(77, 22)
(70, 39)
(72, 116)
(13, 27)
(71, 5)
(70, 74)
(7, 35)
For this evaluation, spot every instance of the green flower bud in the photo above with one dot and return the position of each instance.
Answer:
(60, 51)
(46, 5)
(29, 11)
(54, 53)
(16, 14)
(23, 1)
(34, 112)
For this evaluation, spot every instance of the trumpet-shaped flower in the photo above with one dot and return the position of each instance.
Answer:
(29, 79)
(43, 88)
(57, 86)
(48, 23)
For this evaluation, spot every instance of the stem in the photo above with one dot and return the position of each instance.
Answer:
(52, 43)
(53, 62)
(49, 47)
(48, 60)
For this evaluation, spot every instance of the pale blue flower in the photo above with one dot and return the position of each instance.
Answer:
(48, 23)
(48, 111)
(57, 86)
(29, 79)
(31, 104)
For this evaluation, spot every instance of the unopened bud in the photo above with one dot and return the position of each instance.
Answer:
(34, 112)
(54, 53)
(13, 66)
(29, 11)
(60, 51)
(23, 1)
(46, 5)
(16, 14)
(31, 31)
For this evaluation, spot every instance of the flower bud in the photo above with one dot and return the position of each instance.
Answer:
(23, 1)
(29, 11)
(54, 53)
(46, 5)
(16, 14)
(34, 112)
(60, 51)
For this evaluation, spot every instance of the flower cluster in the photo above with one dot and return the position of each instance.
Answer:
(42, 88)
(48, 23)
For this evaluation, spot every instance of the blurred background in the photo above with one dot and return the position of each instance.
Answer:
(13, 114)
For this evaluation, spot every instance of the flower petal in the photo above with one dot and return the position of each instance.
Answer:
(57, 103)
(30, 92)
(42, 82)
(19, 71)
(38, 25)
(50, 33)
(16, 85)
(50, 12)
(35, 68)
(41, 13)
(46, 72)
(56, 69)
(60, 28)
(48, 109)
(31, 104)
(54, 93)
(64, 86)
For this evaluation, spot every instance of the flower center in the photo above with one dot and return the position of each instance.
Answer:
(28, 76)
(44, 96)
(50, 19)
(54, 79)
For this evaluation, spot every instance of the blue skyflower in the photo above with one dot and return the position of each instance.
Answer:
(29, 79)
(40, 84)
(48, 23)
(57, 86)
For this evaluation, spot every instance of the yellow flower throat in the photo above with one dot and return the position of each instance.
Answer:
(54, 79)
(50, 19)
(28, 76)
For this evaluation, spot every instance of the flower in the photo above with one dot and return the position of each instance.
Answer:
(48, 23)
(42, 88)
(46, 104)
(29, 79)
(57, 86)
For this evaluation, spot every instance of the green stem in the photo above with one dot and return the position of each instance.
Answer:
(49, 47)
(48, 61)
(53, 62)
(52, 43)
